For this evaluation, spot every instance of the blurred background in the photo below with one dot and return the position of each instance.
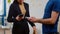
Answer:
(36, 8)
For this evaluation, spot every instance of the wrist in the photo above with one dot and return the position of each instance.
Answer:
(38, 20)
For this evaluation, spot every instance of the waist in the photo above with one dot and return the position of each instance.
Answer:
(50, 28)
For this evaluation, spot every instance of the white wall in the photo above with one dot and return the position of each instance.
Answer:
(1, 7)
(59, 26)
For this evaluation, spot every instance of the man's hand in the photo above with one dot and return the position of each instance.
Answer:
(32, 19)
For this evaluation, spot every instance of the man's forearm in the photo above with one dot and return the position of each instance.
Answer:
(51, 20)
(45, 21)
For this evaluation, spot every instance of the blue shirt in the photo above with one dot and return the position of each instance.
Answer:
(52, 5)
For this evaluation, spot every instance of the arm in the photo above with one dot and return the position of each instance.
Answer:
(10, 15)
(54, 15)
(51, 20)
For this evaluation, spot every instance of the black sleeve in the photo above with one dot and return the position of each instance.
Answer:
(28, 15)
(10, 17)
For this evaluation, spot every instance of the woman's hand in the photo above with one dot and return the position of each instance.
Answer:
(34, 30)
(19, 18)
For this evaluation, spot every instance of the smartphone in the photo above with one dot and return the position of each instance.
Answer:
(20, 15)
